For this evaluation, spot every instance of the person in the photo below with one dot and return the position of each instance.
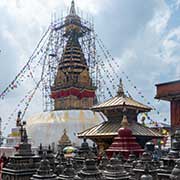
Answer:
(4, 160)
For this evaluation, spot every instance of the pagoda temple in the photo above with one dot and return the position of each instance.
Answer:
(73, 91)
(114, 109)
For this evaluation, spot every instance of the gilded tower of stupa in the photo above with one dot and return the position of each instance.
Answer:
(73, 87)
(73, 91)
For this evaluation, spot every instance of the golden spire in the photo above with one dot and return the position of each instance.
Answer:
(120, 91)
(18, 120)
(124, 122)
(72, 9)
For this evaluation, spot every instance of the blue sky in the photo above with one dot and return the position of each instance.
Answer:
(142, 36)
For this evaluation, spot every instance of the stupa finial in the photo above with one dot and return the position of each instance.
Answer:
(64, 140)
(124, 122)
(18, 120)
(120, 91)
(72, 9)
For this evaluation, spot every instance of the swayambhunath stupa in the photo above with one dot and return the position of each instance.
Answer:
(95, 122)
(73, 91)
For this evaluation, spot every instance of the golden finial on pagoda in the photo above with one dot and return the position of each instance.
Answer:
(124, 122)
(120, 91)
(72, 9)
(64, 140)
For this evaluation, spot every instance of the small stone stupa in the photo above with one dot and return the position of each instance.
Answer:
(103, 163)
(168, 162)
(90, 170)
(59, 168)
(146, 175)
(50, 157)
(82, 153)
(68, 173)
(24, 163)
(115, 170)
(141, 166)
(176, 144)
(175, 174)
(84, 149)
(125, 142)
(44, 171)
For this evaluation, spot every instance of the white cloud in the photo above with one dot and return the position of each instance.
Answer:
(93, 7)
(177, 4)
(39, 12)
(171, 46)
(161, 17)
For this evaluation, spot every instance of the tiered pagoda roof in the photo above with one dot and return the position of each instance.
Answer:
(108, 128)
(73, 60)
(121, 100)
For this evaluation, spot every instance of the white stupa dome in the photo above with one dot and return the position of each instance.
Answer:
(48, 127)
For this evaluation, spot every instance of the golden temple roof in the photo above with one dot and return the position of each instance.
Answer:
(121, 100)
(73, 59)
(110, 128)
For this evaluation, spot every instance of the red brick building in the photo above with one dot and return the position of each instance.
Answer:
(170, 91)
